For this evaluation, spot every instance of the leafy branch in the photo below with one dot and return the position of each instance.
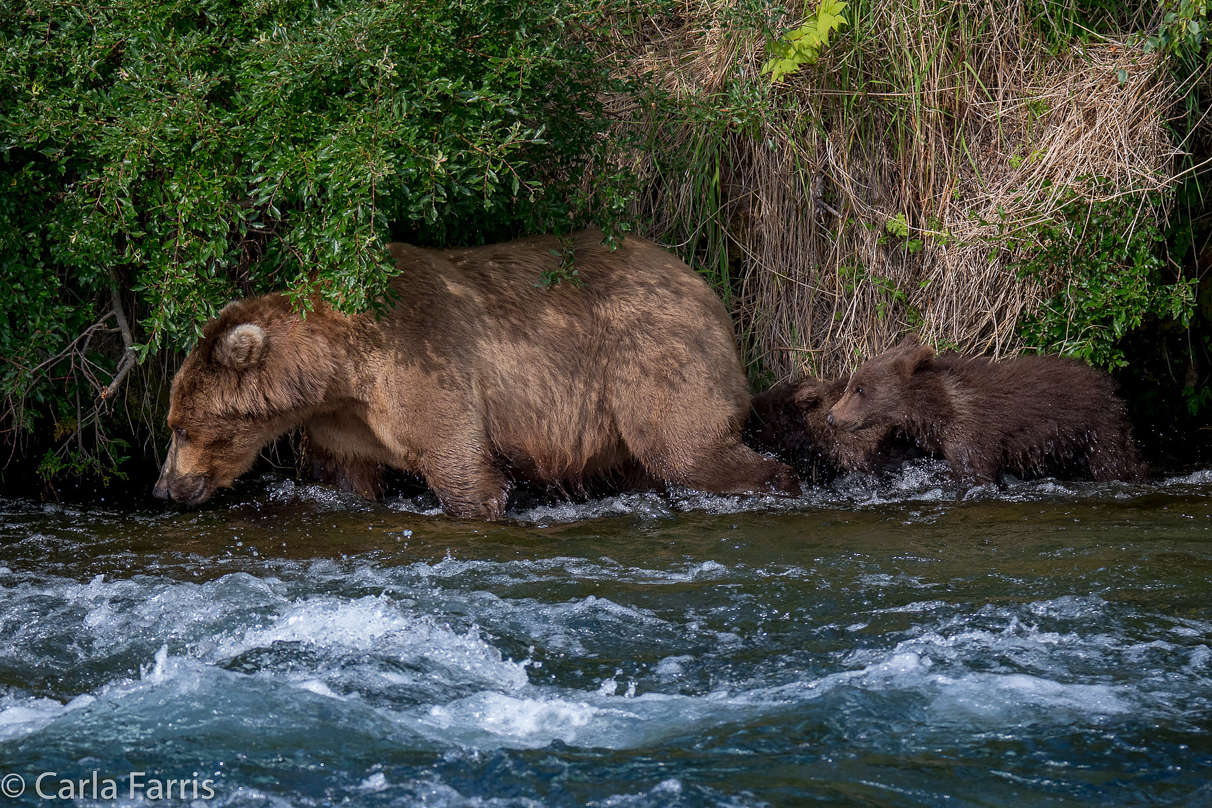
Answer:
(803, 45)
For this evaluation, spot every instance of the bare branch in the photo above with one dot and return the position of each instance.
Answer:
(128, 361)
(128, 358)
(123, 326)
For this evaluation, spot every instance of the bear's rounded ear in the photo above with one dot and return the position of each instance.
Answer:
(242, 346)
(915, 353)
(807, 393)
(923, 355)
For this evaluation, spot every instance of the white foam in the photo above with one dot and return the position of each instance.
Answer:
(518, 722)
(544, 569)
(375, 782)
(105, 618)
(319, 688)
(660, 794)
(159, 672)
(586, 720)
(647, 506)
(322, 497)
(672, 668)
(1021, 698)
(604, 719)
(24, 716)
(923, 480)
(376, 623)
(1201, 477)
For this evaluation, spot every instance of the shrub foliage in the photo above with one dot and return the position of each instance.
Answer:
(1110, 280)
(161, 157)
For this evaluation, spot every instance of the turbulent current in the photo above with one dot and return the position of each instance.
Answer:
(893, 643)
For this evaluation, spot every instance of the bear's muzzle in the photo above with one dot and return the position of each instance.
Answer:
(186, 489)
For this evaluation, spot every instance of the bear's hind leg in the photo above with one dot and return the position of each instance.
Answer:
(737, 469)
(684, 424)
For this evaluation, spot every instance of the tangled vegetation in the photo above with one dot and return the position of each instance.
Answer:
(929, 150)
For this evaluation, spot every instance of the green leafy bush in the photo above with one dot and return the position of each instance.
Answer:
(1113, 280)
(174, 155)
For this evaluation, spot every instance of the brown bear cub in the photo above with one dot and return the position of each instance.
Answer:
(479, 374)
(790, 421)
(1032, 416)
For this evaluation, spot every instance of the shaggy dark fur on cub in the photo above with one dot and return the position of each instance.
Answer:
(478, 374)
(1033, 415)
(790, 421)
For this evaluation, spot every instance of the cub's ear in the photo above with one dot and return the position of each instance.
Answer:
(242, 346)
(916, 354)
(913, 350)
(807, 393)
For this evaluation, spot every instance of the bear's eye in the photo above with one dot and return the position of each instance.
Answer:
(181, 433)
(858, 390)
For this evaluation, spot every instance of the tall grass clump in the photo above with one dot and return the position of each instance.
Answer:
(913, 176)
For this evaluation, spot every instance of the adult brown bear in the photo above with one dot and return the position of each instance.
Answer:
(1032, 415)
(479, 373)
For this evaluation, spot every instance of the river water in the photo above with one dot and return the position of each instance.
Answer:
(899, 643)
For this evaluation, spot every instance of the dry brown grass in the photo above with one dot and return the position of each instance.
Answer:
(955, 117)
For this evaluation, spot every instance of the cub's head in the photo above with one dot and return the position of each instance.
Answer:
(814, 398)
(789, 419)
(255, 373)
(875, 394)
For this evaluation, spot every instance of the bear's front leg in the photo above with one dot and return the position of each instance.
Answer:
(970, 466)
(363, 477)
(467, 482)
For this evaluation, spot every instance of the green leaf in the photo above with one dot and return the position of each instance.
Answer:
(804, 44)
(898, 226)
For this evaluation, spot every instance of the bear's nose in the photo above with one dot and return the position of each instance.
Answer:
(829, 419)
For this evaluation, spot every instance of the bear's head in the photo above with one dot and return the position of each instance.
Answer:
(815, 397)
(258, 370)
(875, 395)
(790, 417)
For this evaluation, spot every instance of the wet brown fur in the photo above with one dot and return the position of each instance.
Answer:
(789, 421)
(1032, 415)
(477, 373)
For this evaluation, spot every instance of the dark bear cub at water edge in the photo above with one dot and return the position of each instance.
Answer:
(480, 374)
(1032, 415)
(790, 420)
